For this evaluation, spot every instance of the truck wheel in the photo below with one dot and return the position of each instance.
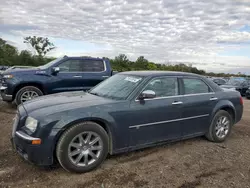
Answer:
(82, 147)
(27, 93)
(220, 127)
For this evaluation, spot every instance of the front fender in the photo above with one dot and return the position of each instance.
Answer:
(69, 119)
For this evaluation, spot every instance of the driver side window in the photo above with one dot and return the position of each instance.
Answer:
(163, 87)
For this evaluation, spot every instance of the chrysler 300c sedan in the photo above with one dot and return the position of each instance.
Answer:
(128, 111)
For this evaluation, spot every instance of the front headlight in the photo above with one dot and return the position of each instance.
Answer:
(31, 124)
(8, 76)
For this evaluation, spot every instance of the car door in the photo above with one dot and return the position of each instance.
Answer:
(156, 119)
(199, 101)
(70, 76)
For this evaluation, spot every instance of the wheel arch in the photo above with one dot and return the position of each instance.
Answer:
(226, 106)
(104, 124)
(21, 85)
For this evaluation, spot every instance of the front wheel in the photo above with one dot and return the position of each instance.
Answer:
(220, 127)
(82, 147)
(27, 93)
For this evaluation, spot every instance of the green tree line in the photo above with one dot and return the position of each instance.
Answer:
(10, 56)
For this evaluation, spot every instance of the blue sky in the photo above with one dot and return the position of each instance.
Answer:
(214, 39)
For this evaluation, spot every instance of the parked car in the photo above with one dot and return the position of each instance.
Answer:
(62, 74)
(2, 69)
(128, 111)
(248, 93)
(219, 81)
(241, 85)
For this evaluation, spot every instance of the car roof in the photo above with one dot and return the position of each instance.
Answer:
(160, 73)
(83, 57)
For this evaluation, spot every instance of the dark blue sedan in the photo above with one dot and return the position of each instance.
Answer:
(128, 111)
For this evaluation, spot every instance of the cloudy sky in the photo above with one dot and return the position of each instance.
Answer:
(212, 34)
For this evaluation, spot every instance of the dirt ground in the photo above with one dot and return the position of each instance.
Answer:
(186, 164)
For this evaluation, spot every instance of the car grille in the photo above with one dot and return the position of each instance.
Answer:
(15, 124)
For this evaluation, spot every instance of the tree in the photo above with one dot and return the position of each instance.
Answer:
(41, 45)
(121, 63)
(152, 66)
(8, 53)
(141, 63)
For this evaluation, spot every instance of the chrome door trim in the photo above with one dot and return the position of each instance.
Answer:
(177, 102)
(196, 94)
(213, 98)
(169, 121)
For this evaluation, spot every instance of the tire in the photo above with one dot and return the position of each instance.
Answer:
(27, 89)
(64, 149)
(213, 129)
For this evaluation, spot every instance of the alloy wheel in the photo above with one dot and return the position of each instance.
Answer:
(85, 148)
(222, 127)
(28, 95)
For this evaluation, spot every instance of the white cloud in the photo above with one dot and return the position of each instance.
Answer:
(161, 30)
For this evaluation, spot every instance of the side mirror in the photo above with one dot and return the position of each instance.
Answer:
(55, 70)
(147, 94)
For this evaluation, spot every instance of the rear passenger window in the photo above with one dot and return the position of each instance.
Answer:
(163, 87)
(70, 66)
(92, 66)
(194, 86)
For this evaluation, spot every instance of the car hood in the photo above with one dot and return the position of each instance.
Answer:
(63, 101)
(34, 70)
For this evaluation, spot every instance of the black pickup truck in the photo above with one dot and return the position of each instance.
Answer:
(59, 75)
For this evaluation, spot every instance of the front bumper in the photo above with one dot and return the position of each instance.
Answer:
(37, 154)
(4, 95)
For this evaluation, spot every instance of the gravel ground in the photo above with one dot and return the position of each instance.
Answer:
(186, 164)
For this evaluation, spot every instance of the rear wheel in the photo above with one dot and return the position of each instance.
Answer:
(220, 127)
(82, 147)
(27, 93)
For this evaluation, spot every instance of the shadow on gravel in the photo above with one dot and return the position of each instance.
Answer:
(198, 178)
(120, 179)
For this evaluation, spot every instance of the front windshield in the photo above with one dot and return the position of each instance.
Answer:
(118, 87)
(49, 64)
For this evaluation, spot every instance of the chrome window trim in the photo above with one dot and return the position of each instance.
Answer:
(175, 96)
(105, 68)
(168, 121)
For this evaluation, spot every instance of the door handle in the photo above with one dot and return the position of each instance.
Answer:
(77, 76)
(177, 102)
(213, 99)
